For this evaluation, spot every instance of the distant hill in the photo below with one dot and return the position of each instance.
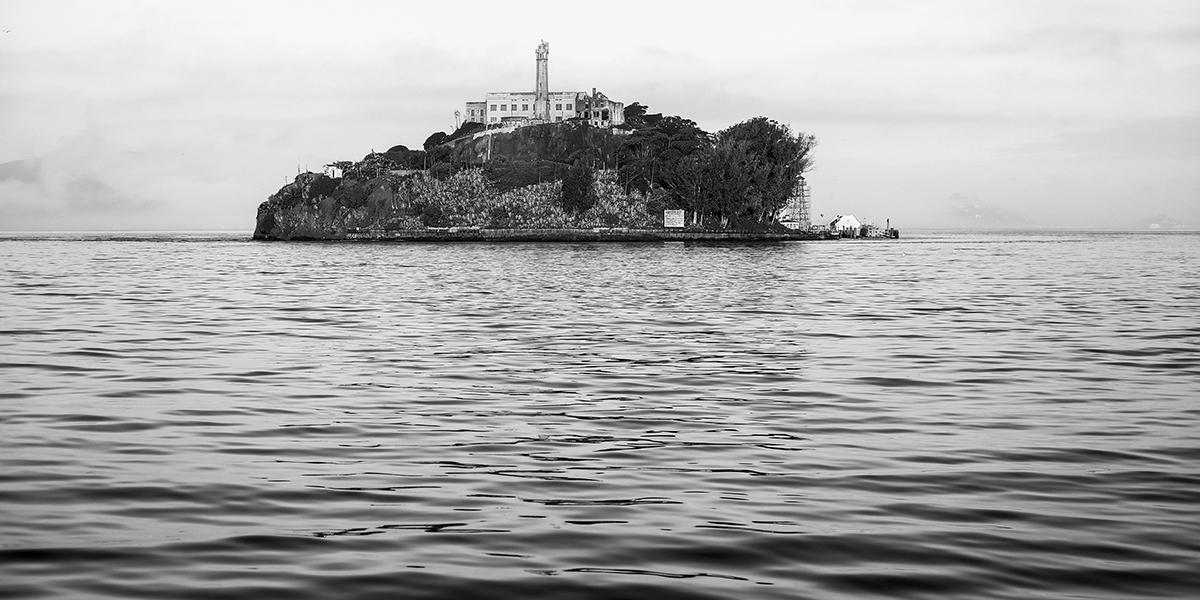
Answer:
(972, 212)
(28, 170)
(1160, 221)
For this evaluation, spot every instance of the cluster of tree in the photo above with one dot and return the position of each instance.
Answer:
(438, 151)
(404, 158)
(509, 174)
(741, 176)
(527, 156)
(637, 117)
(378, 163)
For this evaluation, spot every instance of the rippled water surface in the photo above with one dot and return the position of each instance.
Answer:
(944, 416)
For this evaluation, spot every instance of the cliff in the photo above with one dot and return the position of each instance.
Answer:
(519, 186)
(315, 206)
(552, 142)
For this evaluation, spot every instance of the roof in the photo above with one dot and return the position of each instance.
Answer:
(845, 222)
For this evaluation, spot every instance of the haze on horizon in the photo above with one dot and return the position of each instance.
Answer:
(135, 115)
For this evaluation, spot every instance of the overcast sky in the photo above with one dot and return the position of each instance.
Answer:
(187, 115)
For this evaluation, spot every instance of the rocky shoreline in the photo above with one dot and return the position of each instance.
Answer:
(556, 182)
(477, 234)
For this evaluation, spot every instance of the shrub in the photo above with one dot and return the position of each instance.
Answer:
(433, 216)
(322, 186)
(512, 174)
(468, 128)
(352, 193)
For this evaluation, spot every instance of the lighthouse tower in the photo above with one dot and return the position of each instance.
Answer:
(541, 100)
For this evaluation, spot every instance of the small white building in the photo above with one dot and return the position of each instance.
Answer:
(845, 225)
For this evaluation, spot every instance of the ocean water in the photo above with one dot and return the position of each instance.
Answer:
(1000, 415)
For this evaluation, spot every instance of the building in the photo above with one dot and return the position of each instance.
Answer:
(544, 106)
(846, 226)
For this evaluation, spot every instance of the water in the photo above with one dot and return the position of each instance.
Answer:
(988, 416)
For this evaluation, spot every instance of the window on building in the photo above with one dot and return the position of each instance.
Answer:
(558, 106)
(604, 115)
(493, 107)
(503, 107)
(524, 107)
(493, 119)
(558, 119)
(570, 106)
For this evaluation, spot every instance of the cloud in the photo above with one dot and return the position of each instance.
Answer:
(197, 111)
(1170, 138)
(68, 189)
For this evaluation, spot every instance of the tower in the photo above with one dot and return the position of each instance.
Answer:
(541, 100)
(804, 208)
(799, 207)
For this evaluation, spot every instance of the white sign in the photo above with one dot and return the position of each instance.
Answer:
(672, 218)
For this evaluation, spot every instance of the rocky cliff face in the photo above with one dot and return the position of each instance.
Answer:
(318, 207)
(549, 141)
(518, 188)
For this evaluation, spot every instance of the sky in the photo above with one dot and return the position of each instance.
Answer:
(185, 115)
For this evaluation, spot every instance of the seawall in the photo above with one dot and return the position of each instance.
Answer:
(474, 234)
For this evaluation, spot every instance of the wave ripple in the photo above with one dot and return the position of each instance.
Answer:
(999, 416)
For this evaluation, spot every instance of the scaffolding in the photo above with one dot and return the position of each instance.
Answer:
(803, 205)
(798, 213)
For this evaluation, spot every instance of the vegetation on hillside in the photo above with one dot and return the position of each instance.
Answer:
(568, 175)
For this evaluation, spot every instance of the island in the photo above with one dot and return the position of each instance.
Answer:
(551, 166)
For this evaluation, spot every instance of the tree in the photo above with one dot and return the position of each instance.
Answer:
(371, 166)
(577, 192)
(669, 155)
(405, 158)
(727, 179)
(755, 169)
(468, 128)
(435, 140)
(637, 116)
(634, 114)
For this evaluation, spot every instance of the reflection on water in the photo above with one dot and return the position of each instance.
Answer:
(988, 416)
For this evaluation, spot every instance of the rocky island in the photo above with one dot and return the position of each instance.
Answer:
(575, 166)
(556, 180)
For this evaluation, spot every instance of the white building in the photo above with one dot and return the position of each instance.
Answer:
(845, 225)
(544, 106)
